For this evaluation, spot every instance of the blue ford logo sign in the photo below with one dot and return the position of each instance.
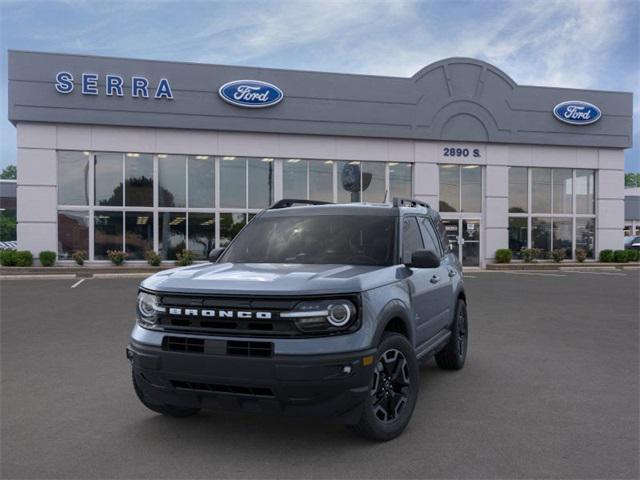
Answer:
(576, 112)
(250, 93)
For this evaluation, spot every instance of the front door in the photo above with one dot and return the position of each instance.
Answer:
(464, 236)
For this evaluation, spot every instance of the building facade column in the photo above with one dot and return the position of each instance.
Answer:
(495, 207)
(609, 200)
(426, 179)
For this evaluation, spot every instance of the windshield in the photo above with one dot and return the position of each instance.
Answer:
(319, 239)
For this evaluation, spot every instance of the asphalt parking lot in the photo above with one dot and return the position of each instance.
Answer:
(550, 390)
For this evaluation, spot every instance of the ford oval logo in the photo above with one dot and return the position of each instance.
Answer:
(250, 93)
(576, 112)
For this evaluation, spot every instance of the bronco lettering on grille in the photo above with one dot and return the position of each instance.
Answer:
(194, 312)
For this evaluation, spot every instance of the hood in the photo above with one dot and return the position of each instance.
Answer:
(270, 279)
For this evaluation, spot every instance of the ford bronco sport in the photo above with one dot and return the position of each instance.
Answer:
(313, 309)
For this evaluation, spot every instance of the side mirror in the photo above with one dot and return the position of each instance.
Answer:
(424, 259)
(215, 254)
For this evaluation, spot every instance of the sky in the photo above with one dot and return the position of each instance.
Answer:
(566, 43)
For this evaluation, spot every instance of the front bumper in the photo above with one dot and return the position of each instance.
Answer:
(332, 385)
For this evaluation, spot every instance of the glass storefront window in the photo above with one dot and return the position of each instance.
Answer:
(562, 235)
(518, 190)
(73, 178)
(108, 179)
(349, 181)
(321, 180)
(73, 233)
(562, 190)
(449, 188)
(585, 192)
(471, 188)
(107, 233)
(138, 236)
(517, 235)
(233, 182)
(585, 235)
(541, 190)
(400, 179)
(201, 181)
(260, 182)
(172, 234)
(202, 234)
(172, 189)
(138, 173)
(541, 235)
(230, 226)
(294, 178)
(373, 181)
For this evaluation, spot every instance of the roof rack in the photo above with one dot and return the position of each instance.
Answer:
(290, 202)
(409, 202)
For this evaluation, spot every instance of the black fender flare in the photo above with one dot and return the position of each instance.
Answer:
(394, 309)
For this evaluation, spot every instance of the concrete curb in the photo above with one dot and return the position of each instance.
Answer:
(80, 272)
(561, 266)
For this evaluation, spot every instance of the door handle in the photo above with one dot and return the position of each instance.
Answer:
(435, 279)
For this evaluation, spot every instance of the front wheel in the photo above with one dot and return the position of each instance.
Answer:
(454, 353)
(393, 390)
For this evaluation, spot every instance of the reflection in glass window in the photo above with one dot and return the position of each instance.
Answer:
(201, 182)
(541, 235)
(562, 235)
(202, 234)
(108, 179)
(321, 180)
(138, 234)
(471, 188)
(73, 178)
(294, 178)
(411, 238)
(172, 188)
(518, 190)
(230, 226)
(517, 235)
(541, 190)
(373, 181)
(138, 173)
(562, 190)
(449, 188)
(172, 234)
(108, 233)
(349, 176)
(585, 235)
(400, 178)
(233, 182)
(585, 192)
(260, 182)
(73, 233)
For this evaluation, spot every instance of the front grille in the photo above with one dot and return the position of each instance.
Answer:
(183, 344)
(228, 389)
(217, 347)
(250, 349)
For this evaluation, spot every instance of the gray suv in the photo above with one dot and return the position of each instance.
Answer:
(313, 309)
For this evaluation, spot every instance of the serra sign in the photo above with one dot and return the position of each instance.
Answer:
(113, 85)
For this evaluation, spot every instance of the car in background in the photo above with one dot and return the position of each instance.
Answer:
(632, 242)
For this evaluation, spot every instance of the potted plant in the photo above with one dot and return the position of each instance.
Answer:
(117, 256)
(153, 258)
(79, 256)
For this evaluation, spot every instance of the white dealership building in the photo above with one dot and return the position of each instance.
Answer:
(143, 155)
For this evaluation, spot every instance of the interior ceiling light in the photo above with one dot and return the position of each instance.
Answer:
(228, 158)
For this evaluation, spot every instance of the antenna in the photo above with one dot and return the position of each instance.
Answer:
(386, 196)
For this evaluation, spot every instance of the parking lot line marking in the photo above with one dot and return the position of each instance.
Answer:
(78, 283)
(600, 273)
(538, 274)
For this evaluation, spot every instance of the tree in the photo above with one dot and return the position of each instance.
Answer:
(632, 180)
(9, 172)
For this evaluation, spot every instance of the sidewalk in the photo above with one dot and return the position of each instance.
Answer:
(563, 266)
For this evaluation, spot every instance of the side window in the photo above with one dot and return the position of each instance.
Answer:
(431, 241)
(411, 238)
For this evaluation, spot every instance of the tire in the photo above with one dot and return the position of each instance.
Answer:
(454, 353)
(393, 392)
(164, 409)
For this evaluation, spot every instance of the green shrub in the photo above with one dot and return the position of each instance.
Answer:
(530, 254)
(79, 256)
(620, 256)
(633, 255)
(117, 256)
(24, 258)
(153, 258)
(558, 255)
(606, 256)
(185, 257)
(503, 255)
(581, 254)
(47, 258)
(7, 258)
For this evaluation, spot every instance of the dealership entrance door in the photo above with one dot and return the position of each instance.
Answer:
(464, 236)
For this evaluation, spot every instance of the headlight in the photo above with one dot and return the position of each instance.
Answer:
(147, 309)
(323, 316)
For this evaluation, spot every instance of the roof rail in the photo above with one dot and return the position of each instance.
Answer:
(408, 202)
(290, 202)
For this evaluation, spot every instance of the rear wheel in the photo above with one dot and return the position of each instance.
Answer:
(393, 390)
(454, 354)
(164, 409)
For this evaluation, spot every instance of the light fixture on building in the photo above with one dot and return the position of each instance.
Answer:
(177, 221)
(142, 220)
(133, 155)
(448, 166)
(293, 160)
(86, 153)
(202, 157)
(162, 155)
(393, 164)
(267, 159)
(470, 166)
(208, 222)
(228, 158)
(354, 163)
(329, 162)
